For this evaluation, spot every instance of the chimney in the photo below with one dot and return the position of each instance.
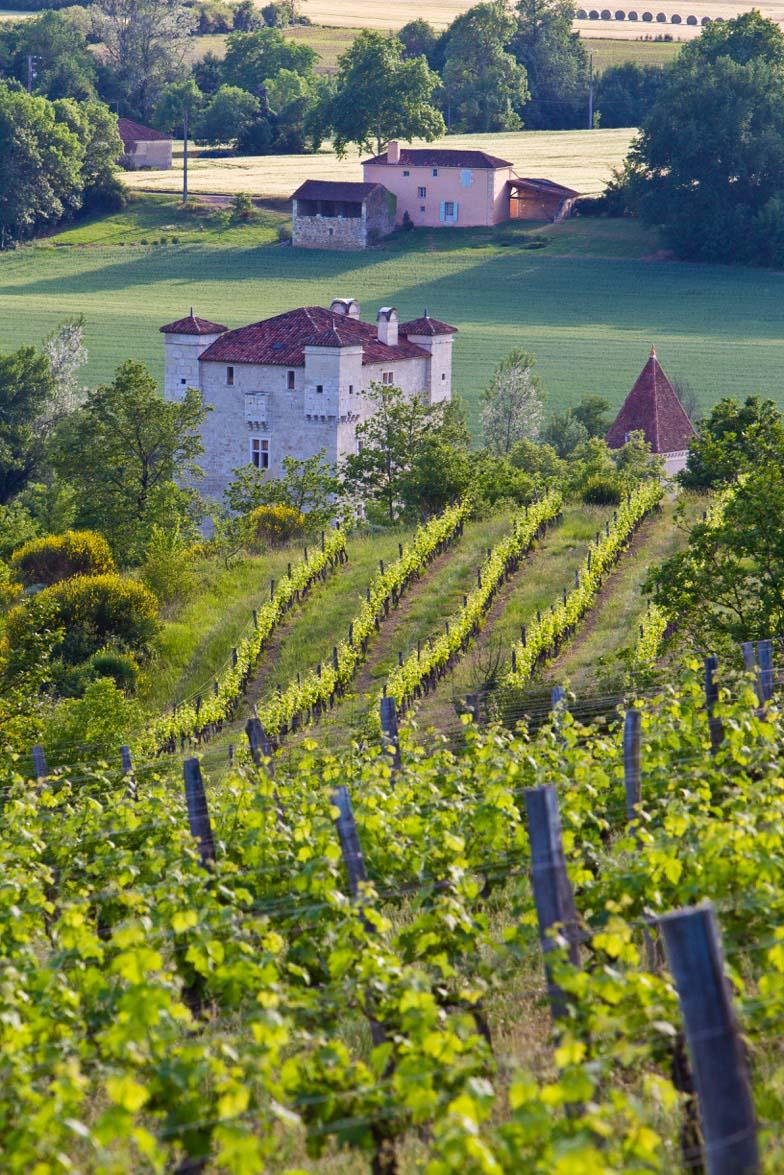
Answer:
(387, 325)
(346, 306)
(393, 151)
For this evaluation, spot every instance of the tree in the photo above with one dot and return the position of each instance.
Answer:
(555, 62)
(389, 442)
(625, 93)
(735, 439)
(144, 43)
(62, 64)
(27, 388)
(227, 115)
(708, 165)
(379, 95)
(728, 584)
(565, 432)
(484, 87)
(253, 58)
(41, 162)
(593, 412)
(247, 18)
(297, 103)
(208, 73)
(95, 125)
(123, 451)
(307, 485)
(179, 102)
(66, 353)
(513, 406)
(439, 473)
(419, 39)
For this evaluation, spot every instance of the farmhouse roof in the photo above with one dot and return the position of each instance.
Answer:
(335, 190)
(136, 132)
(653, 408)
(192, 325)
(426, 326)
(544, 187)
(442, 157)
(280, 341)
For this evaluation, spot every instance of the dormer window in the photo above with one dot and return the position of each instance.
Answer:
(230, 377)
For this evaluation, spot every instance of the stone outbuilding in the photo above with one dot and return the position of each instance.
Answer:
(296, 385)
(653, 408)
(143, 146)
(329, 214)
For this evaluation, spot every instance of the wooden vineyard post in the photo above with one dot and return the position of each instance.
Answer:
(557, 706)
(694, 954)
(631, 761)
(765, 660)
(390, 738)
(749, 650)
(553, 894)
(198, 815)
(128, 773)
(261, 749)
(385, 1160)
(39, 764)
(711, 698)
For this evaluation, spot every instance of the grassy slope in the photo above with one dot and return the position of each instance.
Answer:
(587, 305)
(607, 51)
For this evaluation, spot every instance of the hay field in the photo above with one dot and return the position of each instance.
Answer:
(383, 14)
(580, 159)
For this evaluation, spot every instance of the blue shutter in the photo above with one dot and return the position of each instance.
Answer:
(443, 211)
(454, 218)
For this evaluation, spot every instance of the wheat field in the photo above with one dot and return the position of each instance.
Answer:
(582, 160)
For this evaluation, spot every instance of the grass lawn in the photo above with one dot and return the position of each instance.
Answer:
(610, 51)
(586, 304)
(580, 159)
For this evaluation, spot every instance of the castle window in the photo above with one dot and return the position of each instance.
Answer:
(435, 171)
(406, 173)
(230, 377)
(388, 377)
(421, 192)
(320, 389)
(443, 375)
(259, 452)
(350, 389)
(290, 380)
(183, 381)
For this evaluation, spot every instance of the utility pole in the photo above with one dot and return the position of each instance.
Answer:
(185, 121)
(590, 91)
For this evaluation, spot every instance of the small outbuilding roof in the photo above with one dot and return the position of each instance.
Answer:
(136, 132)
(653, 408)
(543, 187)
(442, 157)
(335, 190)
(192, 325)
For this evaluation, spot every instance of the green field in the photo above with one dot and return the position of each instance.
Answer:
(610, 51)
(587, 304)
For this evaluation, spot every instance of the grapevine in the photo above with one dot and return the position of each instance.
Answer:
(546, 634)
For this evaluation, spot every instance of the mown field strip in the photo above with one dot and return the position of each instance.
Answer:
(550, 569)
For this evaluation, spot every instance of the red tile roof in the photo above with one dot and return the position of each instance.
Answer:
(426, 326)
(191, 325)
(543, 187)
(335, 190)
(136, 132)
(280, 341)
(652, 407)
(442, 157)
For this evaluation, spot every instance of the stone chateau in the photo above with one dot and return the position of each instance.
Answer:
(296, 384)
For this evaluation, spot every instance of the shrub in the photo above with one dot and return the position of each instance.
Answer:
(275, 525)
(284, 234)
(103, 717)
(60, 556)
(242, 207)
(122, 668)
(92, 611)
(167, 566)
(601, 490)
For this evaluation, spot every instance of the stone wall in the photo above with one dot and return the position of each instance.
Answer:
(328, 232)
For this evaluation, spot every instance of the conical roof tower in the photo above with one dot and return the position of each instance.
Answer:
(653, 408)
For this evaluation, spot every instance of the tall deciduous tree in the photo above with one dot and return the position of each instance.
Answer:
(27, 388)
(379, 95)
(50, 50)
(512, 403)
(555, 62)
(253, 58)
(708, 164)
(734, 440)
(144, 46)
(124, 451)
(41, 161)
(308, 485)
(484, 87)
